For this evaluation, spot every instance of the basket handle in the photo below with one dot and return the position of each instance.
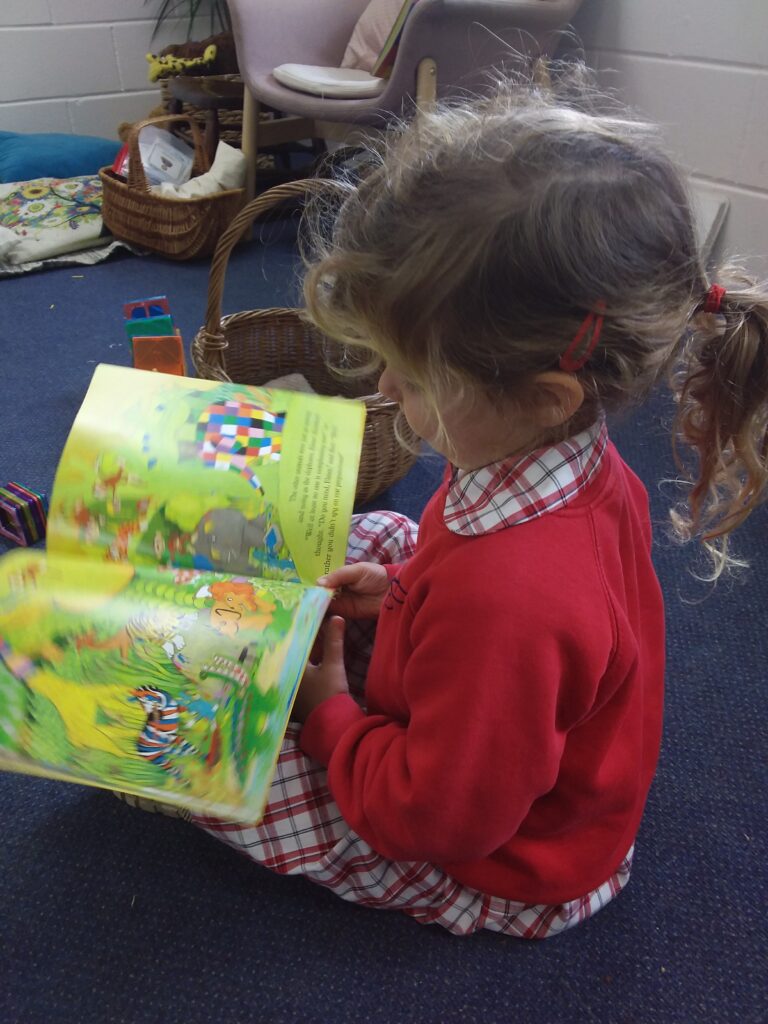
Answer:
(212, 340)
(136, 176)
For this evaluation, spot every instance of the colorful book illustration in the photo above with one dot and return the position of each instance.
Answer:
(157, 646)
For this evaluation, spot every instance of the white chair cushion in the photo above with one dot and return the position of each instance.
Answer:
(341, 83)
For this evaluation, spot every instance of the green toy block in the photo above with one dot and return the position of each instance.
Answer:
(151, 326)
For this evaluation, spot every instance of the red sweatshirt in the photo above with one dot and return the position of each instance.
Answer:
(514, 699)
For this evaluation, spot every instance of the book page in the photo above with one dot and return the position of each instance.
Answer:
(383, 64)
(173, 684)
(203, 475)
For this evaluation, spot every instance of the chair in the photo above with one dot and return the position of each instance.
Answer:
(447, 47)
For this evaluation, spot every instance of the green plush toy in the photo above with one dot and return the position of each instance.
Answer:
(215, 55)
(165, 66)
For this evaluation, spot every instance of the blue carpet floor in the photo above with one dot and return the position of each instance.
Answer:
(112, 915)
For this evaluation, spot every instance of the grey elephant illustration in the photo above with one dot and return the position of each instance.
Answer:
(225, 539)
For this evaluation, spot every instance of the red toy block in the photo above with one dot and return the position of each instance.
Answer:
(143, 309)
(164, 354)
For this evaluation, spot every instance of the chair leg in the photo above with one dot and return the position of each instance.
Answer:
(250, 147)
(211, 133)
(426, 84)
(541, 74)
(250, 141)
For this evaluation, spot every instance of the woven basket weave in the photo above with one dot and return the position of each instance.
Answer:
(258, 345)
(181, 229)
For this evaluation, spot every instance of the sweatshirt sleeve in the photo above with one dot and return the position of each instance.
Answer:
(454, 778)
(326, 724)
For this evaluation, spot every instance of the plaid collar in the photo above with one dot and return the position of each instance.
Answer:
(516, 490)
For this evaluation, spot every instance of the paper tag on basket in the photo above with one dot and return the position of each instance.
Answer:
(164, 156)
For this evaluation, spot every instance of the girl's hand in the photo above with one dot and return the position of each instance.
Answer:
(325, 679)
(362, 587)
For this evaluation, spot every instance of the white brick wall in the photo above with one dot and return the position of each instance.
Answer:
(79, 65)
(700, 69)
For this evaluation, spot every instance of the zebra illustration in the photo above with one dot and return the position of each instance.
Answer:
(160, 740)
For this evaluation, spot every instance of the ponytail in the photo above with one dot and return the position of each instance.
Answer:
(720, 383)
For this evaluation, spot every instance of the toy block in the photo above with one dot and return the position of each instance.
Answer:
(22, 514)
(152, 327)
(143, 309)
(164, 354)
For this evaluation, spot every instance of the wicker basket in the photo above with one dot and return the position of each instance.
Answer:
(258, 345)
(181, 229)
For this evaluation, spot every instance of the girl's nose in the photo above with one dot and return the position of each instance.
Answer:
(388, 386)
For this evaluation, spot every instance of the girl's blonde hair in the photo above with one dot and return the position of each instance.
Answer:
(487, 230)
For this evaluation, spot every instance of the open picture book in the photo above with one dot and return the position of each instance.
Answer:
(157, 646)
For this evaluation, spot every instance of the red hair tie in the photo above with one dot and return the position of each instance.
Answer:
(594, 320)
(713, 300)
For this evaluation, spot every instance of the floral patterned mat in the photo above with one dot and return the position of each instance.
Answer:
(52, 220)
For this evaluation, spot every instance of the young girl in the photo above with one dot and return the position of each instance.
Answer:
(520, 268)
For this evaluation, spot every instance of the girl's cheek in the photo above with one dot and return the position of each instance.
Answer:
(388, 386)
(422, 420)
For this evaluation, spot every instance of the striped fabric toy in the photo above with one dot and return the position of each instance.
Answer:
(22, 514)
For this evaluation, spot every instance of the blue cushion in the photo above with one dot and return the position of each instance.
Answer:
(52, 155)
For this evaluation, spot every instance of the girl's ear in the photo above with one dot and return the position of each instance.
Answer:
(557, 396)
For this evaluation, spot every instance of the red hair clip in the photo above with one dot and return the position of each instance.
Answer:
(594, 321)
(713, 300)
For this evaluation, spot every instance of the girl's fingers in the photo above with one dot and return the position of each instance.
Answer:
(333, 649)
(340, 577)
(359, 575)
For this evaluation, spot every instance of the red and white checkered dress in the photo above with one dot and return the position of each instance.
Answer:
(302, 831)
